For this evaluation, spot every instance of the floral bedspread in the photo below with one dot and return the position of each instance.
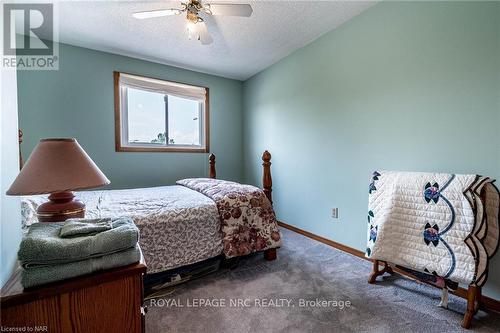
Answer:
(248, 222)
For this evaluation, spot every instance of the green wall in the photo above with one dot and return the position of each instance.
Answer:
(403, 86)
(10, 207)
(77, 101)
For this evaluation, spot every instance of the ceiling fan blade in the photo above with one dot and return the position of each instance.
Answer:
(156, 13)
(205, 37)
(230, 9)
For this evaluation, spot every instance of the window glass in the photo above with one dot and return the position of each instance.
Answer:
(146, 116)
(183, 121)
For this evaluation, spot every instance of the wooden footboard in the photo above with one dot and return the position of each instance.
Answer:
(267, 180)
(267, 187)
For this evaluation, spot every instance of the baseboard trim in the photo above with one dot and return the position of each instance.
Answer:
(487, 302)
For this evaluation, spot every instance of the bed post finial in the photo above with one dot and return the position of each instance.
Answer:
(20, 133)
(267, 181)
(211, 159)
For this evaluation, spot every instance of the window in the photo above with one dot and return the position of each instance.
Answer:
(158, 115)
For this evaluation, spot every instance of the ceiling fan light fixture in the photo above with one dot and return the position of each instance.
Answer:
(197, 29)
(192, 31)
(193, 17)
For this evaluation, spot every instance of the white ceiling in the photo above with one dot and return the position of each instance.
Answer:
(242, 46)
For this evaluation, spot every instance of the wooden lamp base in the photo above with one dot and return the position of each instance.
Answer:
(60, 207)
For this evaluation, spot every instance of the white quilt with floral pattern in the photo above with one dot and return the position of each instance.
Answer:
(444, 225)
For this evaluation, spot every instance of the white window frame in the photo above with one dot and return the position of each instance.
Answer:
(122, 81)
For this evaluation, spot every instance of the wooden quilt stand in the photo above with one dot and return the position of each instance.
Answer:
(473, 292)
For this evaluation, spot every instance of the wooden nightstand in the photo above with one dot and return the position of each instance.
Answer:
(105, 301)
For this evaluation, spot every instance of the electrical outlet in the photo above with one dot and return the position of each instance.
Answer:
(335, 213)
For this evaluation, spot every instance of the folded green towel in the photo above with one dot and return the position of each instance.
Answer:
(35, 276)
(43, 246)
(84, 227)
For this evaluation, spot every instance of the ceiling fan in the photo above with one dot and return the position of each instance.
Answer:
(197, 28)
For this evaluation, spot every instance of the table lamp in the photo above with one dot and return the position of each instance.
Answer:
(58, 167)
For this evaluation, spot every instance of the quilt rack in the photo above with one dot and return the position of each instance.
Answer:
(439, 229)
(473, 296)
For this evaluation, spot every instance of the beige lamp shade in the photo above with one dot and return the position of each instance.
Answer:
(57, 165)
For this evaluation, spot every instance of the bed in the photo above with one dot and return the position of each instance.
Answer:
(187, 223)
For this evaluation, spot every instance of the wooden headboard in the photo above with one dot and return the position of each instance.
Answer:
(267, 181)
(20, 153)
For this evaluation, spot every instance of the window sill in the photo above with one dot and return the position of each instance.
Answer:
(162, 149)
